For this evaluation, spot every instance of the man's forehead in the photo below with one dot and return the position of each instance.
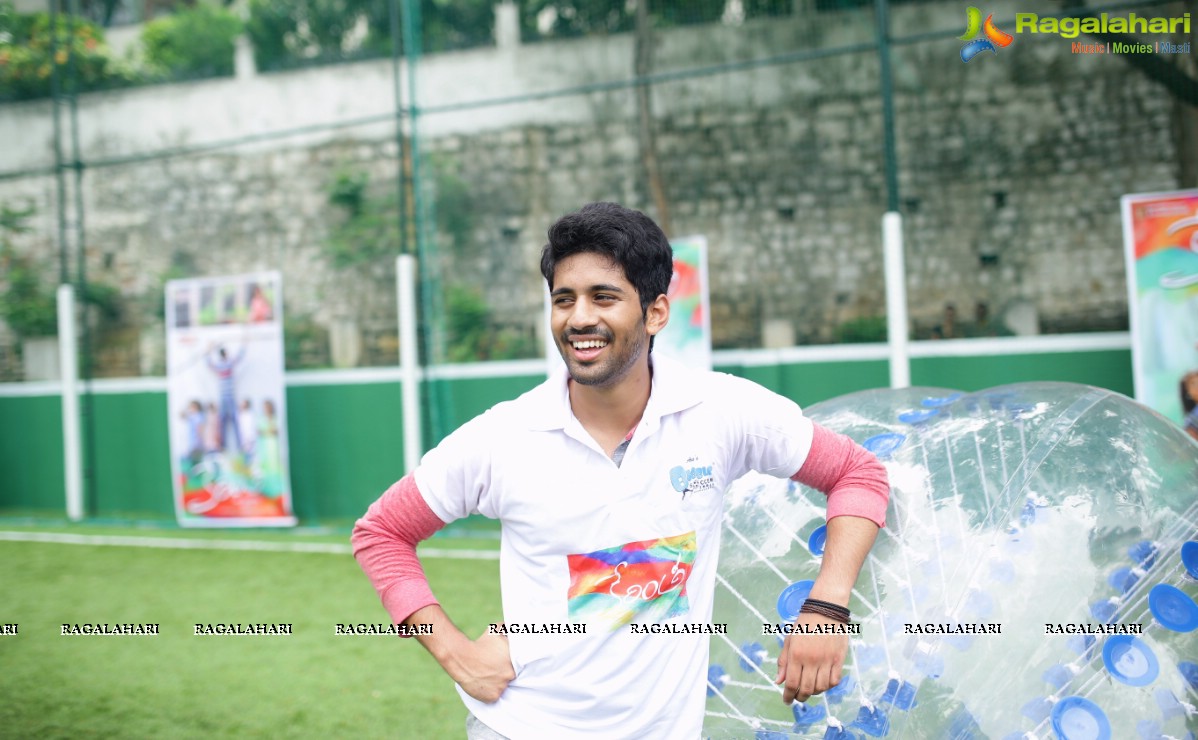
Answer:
(586, 270)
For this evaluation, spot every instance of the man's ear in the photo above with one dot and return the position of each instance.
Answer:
(657, 315)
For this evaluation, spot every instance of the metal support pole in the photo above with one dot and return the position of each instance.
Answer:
(886, 82)
(896, 300)
(68, 363)
(409, 360)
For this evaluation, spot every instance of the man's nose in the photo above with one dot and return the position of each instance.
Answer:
(583, 316)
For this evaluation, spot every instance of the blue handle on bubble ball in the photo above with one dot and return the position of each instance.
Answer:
(807, 714)
(1189, 671)
(1173, 609)
(900, 693)
(872, 721)
(817, 539)
(1143, 553)
(717, 679)
(884, 445)
(791, 600)
(1078, 718)
(1130, 660)
(753, 655)
(1189, 558)
(937, 402)
(918, 416)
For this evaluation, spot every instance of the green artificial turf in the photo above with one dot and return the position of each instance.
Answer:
(312, 683)
(474, 532)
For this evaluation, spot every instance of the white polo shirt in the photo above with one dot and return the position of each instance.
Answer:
(587, 542)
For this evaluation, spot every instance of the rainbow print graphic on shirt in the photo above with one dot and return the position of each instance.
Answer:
(639, 581)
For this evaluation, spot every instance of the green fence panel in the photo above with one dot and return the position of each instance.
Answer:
(1103, 368)
(346, 439)
(131, 465)
(31, 454)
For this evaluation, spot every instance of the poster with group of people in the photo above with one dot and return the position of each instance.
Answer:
(1161, 241)
(226, 401)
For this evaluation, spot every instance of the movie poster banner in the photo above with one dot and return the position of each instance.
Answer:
(687, 337)
(1161, 245)
(226, 401)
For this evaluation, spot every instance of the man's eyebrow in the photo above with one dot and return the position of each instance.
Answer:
(597, 288)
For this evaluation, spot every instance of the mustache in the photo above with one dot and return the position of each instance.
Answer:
(571, 334)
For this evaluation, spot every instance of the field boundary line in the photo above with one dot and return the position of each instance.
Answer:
(183, 543)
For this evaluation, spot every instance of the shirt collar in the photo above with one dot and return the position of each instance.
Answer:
(675, 388)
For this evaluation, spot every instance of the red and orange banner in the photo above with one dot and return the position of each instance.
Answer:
(1161, 243)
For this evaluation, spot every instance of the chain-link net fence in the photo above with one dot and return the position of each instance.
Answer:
(338, 136)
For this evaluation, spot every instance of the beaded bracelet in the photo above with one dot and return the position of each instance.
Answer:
(825, 609)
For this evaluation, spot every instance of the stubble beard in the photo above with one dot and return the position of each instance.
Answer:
(612, 370)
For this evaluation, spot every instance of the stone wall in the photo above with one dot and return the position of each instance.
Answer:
(1009, 170)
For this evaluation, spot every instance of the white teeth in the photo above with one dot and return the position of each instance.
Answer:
(592, 344)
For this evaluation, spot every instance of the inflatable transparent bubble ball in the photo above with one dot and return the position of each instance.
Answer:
(1036, 577)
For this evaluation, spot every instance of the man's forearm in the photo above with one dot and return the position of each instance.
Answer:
(812, 664)
(443, 640)
(848, 544)
(482, 667)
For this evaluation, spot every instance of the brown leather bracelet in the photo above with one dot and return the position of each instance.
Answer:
(825, 609)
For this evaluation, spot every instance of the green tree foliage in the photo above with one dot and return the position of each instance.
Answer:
(368, 231)
(455, 206)
(292, 33)
(540, 19)
(272, 30)
(864, 329)
(36, 52)
(457, 24)
(552, 19)
(473, 335)
(27, 307)
(193, 43)
(305, 344)
(369, 228)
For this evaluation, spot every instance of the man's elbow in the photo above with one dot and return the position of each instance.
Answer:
(876, 472)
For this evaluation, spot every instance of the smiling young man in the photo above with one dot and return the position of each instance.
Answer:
(608, 480)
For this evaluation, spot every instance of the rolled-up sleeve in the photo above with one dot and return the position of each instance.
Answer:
(850, 475)
(384, 543)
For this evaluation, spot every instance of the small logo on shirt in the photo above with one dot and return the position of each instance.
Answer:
(691, 477)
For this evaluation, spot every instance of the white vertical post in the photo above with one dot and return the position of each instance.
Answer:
(244, 66)
(68, 363)
(409, 360)
(507, 26)
(896, 299)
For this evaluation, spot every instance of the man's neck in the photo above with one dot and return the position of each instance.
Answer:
(609, 413)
